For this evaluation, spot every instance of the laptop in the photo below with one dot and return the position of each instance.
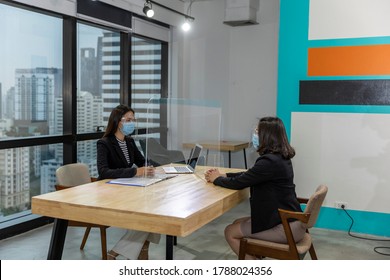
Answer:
(191, 163)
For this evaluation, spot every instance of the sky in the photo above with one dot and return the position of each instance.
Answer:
(29, 40)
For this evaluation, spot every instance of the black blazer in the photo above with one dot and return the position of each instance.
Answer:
(111, 162)
(271, 182)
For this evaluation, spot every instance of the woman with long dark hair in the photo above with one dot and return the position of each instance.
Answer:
(271, 182)
(119, 157)
(117, 153)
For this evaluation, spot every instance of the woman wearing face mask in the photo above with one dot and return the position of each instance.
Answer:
(271, 182)
(119, 157)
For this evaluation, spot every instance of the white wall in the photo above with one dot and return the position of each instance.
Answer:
(236, 66)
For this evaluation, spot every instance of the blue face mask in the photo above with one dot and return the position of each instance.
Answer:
(255, 140)
(128, 128)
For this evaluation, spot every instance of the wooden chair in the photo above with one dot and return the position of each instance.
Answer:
(72, 175)
(291, 250)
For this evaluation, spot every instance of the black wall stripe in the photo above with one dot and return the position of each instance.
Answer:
(345, 92)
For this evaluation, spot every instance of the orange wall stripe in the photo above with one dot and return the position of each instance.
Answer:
(349, 61)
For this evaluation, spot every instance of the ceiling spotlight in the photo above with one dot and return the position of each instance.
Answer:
(148, 11)
(186, 25)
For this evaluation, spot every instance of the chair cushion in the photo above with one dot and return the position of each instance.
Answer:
(302, 246)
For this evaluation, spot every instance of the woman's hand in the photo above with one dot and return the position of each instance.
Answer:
(212, 174)
(145, 171)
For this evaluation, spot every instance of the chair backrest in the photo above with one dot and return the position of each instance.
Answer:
(314, 204)
(73, 174)
(158, 154)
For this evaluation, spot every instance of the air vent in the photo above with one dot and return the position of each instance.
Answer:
(241, 12)
(240, 22)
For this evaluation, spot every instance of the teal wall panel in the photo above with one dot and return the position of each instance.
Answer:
(362, 222)
(292, 67)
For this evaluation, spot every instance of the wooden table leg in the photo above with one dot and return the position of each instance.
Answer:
(57, 239)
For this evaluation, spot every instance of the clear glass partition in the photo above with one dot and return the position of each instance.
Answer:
(183, 124)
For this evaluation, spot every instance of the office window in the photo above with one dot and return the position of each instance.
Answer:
(30, 73)
(25, 172)
(98, 79)
(147, 79)
(30, 106)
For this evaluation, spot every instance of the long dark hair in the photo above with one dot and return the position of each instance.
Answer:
(273, 137)
(115, 117)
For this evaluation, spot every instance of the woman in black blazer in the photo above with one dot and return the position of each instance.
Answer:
(117, 153)
(271, 182)
(119, 157)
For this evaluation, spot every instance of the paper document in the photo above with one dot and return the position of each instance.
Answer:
(140, 181)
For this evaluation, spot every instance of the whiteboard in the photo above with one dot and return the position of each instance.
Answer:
(348, 152)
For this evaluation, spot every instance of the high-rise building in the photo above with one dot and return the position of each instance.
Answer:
(146, 80)
(15, 179)
(110, 72)
(90, 72)
(89, 117)
(30, 112)
(89, 112)
(35, 90)
(48, 175)
(5, 125)
(9, 108)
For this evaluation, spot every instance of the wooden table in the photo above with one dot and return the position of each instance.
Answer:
(174, 207)
(223, 146)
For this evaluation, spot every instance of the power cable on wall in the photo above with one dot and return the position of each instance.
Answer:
(367, 238)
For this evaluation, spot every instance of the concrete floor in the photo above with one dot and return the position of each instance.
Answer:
(207, 243)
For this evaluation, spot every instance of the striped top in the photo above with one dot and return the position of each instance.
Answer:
(123, 146)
